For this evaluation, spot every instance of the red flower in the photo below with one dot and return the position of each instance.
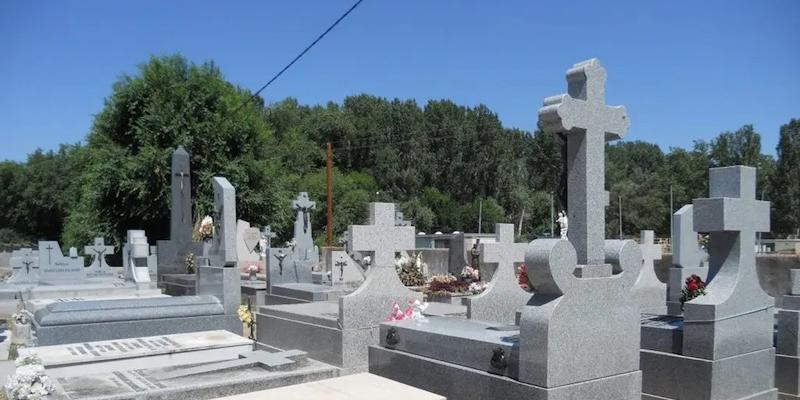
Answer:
(692, 286)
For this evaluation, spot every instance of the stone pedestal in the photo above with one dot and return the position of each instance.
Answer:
(787, 359)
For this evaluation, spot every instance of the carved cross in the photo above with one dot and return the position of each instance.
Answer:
(303, 205)
(270, 361)
(99, 249)
(381, 236)
(587, 122)
(267, 234)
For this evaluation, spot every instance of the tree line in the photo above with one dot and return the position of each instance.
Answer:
(448, 166)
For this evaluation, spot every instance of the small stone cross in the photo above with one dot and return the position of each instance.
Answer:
(271, 361)
(267, 234)
(650, 250)
(303, 205)
(381, 236)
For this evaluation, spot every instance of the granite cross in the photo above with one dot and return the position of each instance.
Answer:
(303, 205)
(27, 260)
(582, 115)
(99, 249)
(267, 234)
(398, 219)
(49, 249)
(381, 236)
(181, 185)
(271, 361)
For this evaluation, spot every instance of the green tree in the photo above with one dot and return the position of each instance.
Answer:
(785, 193)
(125, 182)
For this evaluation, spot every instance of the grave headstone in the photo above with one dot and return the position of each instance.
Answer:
(339, 334)
(578, 336)
(730, 328)
(223, 246)
(687, 257)
(136, 258)
(54, 268)
(503, 297)
(247, 240)
(293, 264)
(25, 266)
(266, 240)
(99, 251)
(787, 347)
(172, 253)
(648, 291)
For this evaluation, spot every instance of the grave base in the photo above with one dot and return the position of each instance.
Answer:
(787, 376)
(314, 328)
(463, 383)
(747, 376)
(295, 293)
(179, 284)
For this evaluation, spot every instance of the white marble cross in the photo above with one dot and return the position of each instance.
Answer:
(381, 236)
(650, 250)
(99, 251)
(588, 123)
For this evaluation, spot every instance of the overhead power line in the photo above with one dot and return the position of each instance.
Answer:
(299, 56)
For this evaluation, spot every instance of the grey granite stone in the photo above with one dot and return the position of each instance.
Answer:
(24, 266)
(54, 268)
(247, 241)
(503, 297)
(294, 264)
(726, 350)
(223, 283)
(173, 252)
(223, 247)
(155, 383)
(99, 251)
(794, 279)
(578, 337)
(687, 257)
(136, 258)
(649, 292)
(582, 115)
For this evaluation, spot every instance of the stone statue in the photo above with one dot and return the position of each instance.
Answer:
(475, 255)
(280, 256)
(563, 223)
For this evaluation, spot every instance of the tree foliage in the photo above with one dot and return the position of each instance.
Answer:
(447, 165)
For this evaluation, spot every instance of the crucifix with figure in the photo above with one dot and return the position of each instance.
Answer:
(587, 122)
(99, 250)
(302, 205)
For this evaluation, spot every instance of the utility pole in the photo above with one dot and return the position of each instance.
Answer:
(619, 200)
(329, 190)
(552, 214)
(521, 217)
(480, 215)
(671, 210)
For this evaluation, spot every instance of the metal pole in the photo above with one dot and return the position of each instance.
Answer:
(480, 215)
(620, 215)
(552, 214)
(329, 188)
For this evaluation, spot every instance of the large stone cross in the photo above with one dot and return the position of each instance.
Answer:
(181, 188)
(381, 236)
(270, 361)
(99, 251)
(588, 123)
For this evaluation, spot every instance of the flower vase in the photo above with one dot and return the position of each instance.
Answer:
(253, 276)
(20, 333)
(206, 247)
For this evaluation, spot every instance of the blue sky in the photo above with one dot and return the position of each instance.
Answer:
(685, 70)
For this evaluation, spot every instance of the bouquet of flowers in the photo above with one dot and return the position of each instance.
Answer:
(410, 270)
(189, 261)
(413, 311)
(694, 288)
(22, 317)
(246, 316)
(29, 381)
(253, 269)
(439, 285)
(477, 287)
(205, 230)
(292, 243)
(470, 274)
(522, 276)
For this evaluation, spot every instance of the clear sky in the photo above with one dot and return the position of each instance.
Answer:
(685, 70)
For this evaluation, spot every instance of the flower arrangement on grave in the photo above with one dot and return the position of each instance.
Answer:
(292, 243)
(29, 381)
(253, 269)
(22, 317)
(470, 274)
(204, 230)
(444, 285)
(189, 261)
(246, 316)
(522, 276)
(694, 288)
(409, 269)
(413, 311)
